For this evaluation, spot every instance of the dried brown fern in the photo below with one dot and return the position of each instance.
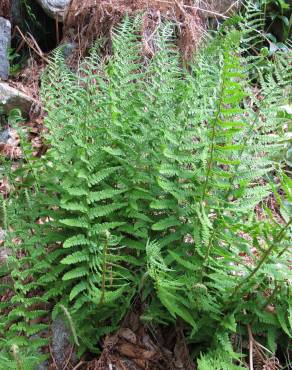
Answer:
(260, 358)
(95, 18)
(5, 8)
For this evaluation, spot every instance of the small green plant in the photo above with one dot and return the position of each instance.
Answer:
(278, 15)
(29, 14)
(13, 58)
(148, 192)
(268, 23)
(12, 358)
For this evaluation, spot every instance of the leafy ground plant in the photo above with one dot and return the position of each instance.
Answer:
(148, 192)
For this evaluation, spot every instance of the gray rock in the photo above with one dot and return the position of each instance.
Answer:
(11, 98)
(4, 254)
(5, 135)
(16, 16)
(55, 8)
(5, 40)
(68, 49)
(61, 344)
(2, 234)
(43, 366)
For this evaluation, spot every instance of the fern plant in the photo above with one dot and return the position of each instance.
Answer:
(148, 190)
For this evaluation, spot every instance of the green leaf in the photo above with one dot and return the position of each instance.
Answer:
(229, 323)
(75, 241)
(283, 320)
(113, 151)
(76, 273)
(100, 211)
(101, 175)
(166, 223)
(106, 226)
(80, 287)
(184, 262)
(74, 258)
(103, 194)
(75, 222)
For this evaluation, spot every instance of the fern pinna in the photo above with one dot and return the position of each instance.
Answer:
(148, 190)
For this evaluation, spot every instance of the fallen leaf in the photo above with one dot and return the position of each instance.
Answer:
(133, 351)
(128, 335)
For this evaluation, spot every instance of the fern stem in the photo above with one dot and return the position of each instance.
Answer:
(105, 248)
(247, 136)
(15, 354)
(231, 180)
(72, 327)
(210, 161)
(4, 213)
(209, 167)
(207, 255)
(26, 151)
(278, 238)
(231, 183)
(284, 229)
(250, 340)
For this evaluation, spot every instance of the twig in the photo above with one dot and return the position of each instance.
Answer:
(79, 365)
(155, 30)
(180, 6)
(35, 43)
(57, 30)
(19, 47)
(34, 46)
(69, 358)
(197, 8)
(250, 345)
(261, 346)
(53, 358)
(231, 6)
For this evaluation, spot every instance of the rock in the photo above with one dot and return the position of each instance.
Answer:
(4, 254)
(55, 8)
(11, 98)
(16, 12)
(9, 148)
(43, 366)
(61, 344)
(60, 340)
(4, 138)
(5, 40)
(2, 234)
(9, 137)
(68, 49)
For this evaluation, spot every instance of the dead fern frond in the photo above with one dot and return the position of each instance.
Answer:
(96, 18)
(5, 8)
